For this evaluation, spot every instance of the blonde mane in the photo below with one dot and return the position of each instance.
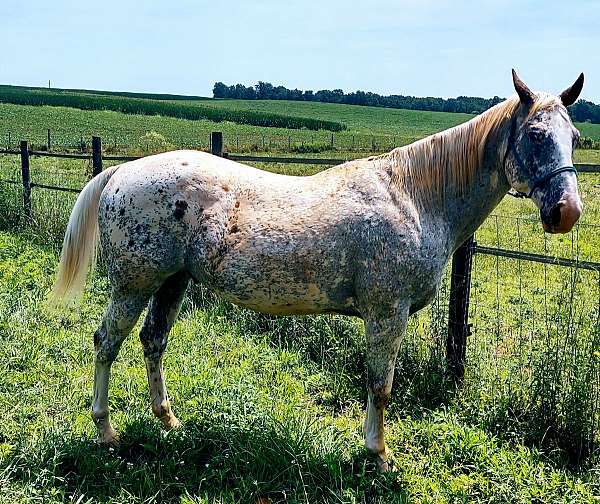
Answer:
(451, 158)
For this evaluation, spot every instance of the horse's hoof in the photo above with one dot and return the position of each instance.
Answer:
(170, 423)
(383, 466)
(109, 439)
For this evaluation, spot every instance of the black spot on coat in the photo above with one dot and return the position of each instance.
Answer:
(180, 208)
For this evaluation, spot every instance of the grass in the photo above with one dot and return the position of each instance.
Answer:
(371, 120)
(272, 409)
(69, 125)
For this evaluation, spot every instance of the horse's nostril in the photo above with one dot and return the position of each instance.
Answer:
(555, 214)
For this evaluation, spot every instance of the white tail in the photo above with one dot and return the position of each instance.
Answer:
(78, 254)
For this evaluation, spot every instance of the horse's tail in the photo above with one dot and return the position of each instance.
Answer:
(78, 254)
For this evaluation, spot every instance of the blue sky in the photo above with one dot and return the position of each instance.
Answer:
(423, 48)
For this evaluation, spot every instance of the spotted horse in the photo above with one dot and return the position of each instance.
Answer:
(368, 238)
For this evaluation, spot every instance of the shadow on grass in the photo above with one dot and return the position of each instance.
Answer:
(207, 460)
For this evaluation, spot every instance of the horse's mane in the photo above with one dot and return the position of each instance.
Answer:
(449, 160)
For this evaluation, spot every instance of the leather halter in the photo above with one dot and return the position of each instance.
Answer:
(539, 182)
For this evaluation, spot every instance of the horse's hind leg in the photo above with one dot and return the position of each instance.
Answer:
(163, 310)
(121, 316)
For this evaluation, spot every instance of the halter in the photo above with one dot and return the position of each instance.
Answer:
(539, 182)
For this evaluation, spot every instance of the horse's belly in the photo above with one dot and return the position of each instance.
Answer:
(286, 300)
(282, 284)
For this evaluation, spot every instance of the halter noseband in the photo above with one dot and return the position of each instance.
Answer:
(539, 182)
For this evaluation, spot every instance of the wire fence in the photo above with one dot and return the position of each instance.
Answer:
(306, 142)
(526, 310)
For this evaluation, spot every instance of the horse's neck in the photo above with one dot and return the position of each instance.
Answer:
(465, 212)
(462, 210)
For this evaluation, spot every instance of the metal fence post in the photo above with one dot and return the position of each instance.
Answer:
(216, 143)
(96, 156)
(26, 179)
(49, 141)
(458, 308)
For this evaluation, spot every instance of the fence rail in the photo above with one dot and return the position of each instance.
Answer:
(462, 261)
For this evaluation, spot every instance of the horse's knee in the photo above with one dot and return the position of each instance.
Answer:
(99, 414)
(154, 343)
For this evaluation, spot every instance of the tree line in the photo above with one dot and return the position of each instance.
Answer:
(581, 111)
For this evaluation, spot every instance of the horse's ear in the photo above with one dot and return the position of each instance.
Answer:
(570, 95)
(525, 94)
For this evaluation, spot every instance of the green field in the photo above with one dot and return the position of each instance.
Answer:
(167, 108)
(371, 129)
(68, 125)
(272, 407)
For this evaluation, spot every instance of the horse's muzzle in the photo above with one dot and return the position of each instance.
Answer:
(561, 217)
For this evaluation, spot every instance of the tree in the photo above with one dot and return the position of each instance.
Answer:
(220, 90)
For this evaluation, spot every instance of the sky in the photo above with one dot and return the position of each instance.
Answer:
(409, 47)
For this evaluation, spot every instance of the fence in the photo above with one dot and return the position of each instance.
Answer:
(303, 142)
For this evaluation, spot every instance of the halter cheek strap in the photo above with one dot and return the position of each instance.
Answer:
(539, 182)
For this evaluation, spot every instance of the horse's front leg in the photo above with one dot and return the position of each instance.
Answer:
(383, 335)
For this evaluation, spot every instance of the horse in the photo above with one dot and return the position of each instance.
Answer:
(367, 238)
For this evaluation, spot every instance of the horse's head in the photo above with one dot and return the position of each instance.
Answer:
(539, 157)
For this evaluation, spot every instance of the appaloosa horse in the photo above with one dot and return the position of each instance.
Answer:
(368, 238)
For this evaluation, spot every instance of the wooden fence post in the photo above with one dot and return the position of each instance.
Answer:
(26, 179)
(96, 156)
(458, 309)
(49, 141)
(216, 143)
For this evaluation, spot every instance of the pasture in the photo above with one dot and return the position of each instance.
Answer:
(366, 129)
(272, 407)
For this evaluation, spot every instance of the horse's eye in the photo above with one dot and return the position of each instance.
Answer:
(536, 135)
